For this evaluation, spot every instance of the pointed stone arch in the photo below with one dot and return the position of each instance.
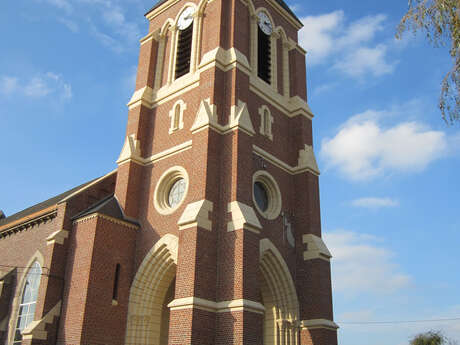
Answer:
(279, 297)
(37, 257)
(148, 292)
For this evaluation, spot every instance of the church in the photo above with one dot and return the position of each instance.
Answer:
(208, 232)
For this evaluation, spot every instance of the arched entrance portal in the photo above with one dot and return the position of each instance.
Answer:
(151, 291)
(279, 297)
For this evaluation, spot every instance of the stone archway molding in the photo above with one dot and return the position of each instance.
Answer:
(283, 292)
(148, 291)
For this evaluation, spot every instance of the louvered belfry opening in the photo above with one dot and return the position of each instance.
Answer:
(264, 57)
(184, 51)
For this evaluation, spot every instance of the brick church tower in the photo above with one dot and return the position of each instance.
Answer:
(208, 232)
(219, 171)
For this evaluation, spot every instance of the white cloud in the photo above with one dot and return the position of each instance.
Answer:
(375, 202)
(363, 265)
(113, 15)
(39, 86)
(71, 25)
(61, 4)
(364, 61)
(361, 31)
(350, 47)
(318, 34)
(106, 18)
(363, 148)
(8, 85)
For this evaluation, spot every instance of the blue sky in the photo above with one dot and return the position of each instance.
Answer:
(389, 184)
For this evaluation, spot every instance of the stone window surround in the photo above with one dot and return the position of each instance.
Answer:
(266, 123)
(278, 33)
(37, 257)
(177, 118)
(273, 191)
(165, 182)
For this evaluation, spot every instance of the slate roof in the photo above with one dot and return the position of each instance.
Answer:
(280, 2)
(108, 206)
(42, 205)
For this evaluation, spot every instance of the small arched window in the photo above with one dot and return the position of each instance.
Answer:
(28, 301)
(266, 121)
(176, 120)
(177, 116)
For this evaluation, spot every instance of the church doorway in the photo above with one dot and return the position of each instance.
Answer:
(152, 290)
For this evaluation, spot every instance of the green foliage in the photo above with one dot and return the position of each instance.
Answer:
(440, 20)
(431, 338)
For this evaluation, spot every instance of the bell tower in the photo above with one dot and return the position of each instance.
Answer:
(219, 172)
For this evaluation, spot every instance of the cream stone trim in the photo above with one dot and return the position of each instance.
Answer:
(37, 329)
(263, 112)
(240, 305)
(297, 47)
(168, 153)
(273, 194)
(243, 217)
(196, 215)
(104, 216)
(319, 323)
(148, 290)
(280, 295)
(240, 118)
(160, 9)
(38, 256)
(57, 237)
(205, 117)
(225, 60)
(316, 248)
(163, 154)
(118, 221)
(307, 160)
(165, 182)
(216, 307)
(192, 303)
(293, 107)
(175, 89)
(177, 123)
(143, 97)
(282, 165)
(274, 61)
(154, 35)
(160, 62)
(286, 15)
(131, 151)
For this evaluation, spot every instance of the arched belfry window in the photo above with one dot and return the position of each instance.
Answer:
(265, 30)
(28, 301)
(184, 42)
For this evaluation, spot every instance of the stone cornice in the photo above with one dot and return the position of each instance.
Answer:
(110, 219)
(29, 222)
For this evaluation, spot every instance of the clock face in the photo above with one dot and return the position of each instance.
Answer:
(265, 24)
(186, 18)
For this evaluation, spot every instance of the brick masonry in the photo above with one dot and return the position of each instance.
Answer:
(217, 266)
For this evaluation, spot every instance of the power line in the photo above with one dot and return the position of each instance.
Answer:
(24, 269)
(394, 322)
